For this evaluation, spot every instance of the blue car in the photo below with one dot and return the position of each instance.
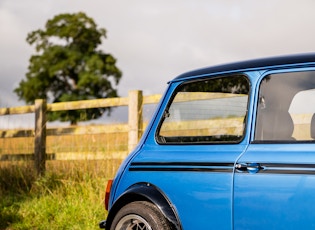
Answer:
(229, 147)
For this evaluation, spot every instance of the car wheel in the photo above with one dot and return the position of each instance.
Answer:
(140, 215)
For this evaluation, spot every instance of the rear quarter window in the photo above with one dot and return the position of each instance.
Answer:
(206, 111)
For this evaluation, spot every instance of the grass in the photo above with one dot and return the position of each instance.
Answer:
(69, 196)
(104, 142)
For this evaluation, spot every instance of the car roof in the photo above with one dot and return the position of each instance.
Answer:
(255, 64)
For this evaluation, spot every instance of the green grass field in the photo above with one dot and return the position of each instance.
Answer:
(69, 196)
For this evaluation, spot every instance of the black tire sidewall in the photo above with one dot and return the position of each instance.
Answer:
(147, 211)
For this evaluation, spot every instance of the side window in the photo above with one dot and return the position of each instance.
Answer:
(206, 111)
(286, 107)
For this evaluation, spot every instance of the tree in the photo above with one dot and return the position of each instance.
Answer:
(68, 66)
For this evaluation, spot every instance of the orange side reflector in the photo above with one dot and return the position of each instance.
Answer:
(107, 192)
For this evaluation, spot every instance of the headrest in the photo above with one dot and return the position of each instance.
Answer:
(284, 126)
(277, 125)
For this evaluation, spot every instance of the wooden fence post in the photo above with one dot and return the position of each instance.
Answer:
(134, 118)
(40, 136)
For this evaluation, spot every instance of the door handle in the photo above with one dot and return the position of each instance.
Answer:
(248, 167)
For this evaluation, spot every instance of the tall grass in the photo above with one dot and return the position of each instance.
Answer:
(69, 196)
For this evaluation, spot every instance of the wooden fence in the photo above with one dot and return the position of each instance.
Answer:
(134, 101)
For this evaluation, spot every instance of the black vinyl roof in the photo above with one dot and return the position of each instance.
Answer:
(252, 64)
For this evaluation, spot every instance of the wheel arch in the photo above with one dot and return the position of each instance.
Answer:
(145, 192)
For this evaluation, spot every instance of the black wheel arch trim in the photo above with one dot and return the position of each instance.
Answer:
(148, 192)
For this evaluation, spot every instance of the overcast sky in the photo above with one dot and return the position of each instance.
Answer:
(154, 41)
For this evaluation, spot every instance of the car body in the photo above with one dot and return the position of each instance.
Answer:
(229, 147)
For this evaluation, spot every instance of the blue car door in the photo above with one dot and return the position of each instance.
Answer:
(274, 181)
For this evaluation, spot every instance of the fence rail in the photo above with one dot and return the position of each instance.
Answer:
(134, 128)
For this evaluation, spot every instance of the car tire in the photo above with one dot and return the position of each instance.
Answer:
(140, 215)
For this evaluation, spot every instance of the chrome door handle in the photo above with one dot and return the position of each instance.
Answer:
(248, 167)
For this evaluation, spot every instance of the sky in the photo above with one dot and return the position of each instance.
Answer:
(154, 41)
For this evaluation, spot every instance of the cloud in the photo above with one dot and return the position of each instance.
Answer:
(154, 41)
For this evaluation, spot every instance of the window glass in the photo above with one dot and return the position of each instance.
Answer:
(207, 111)
(286, 107)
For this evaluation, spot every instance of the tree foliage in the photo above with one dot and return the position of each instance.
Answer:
(68, 66)
(236, 84)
